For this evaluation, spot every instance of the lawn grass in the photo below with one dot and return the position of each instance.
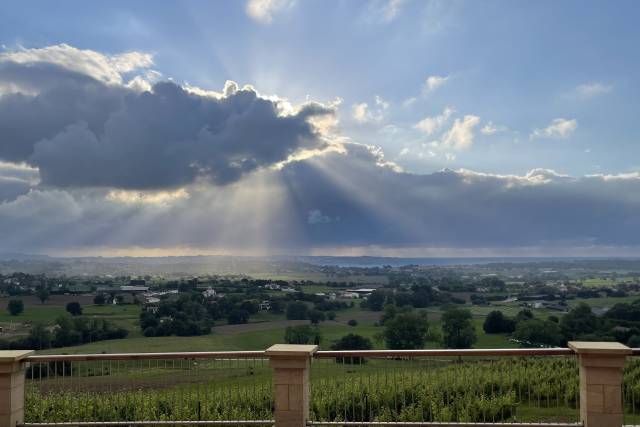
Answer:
(42, 313)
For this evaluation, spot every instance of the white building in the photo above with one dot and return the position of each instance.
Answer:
(209, 293)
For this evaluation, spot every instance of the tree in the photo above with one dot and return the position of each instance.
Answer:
(497, 323)
(66, 334)
(251, 306)
(99, 299)
(149, 331)
(276, 306)
(74, 308)
(39, 337)
(390, 311)
(525, 314)
(237, 317)
(352, 322)
(297, 311)
(43, 294)
(301, 334)
(579, 321)
(634, 341)
(352, 342)
(406, 331)
(457, 329)
(493, 283)
(375, 300)
(15, 307)
(535, 332)
(316, 316)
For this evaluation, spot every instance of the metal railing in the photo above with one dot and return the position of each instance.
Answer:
(475, 387)
(139, 388)
(295, 385)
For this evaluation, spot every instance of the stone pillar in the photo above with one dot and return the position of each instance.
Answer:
(601, 365)
(12, 376)
(291, 365)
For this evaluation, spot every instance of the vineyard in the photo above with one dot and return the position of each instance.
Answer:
(514, 389)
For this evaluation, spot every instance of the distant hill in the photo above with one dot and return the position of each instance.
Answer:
(275, 265)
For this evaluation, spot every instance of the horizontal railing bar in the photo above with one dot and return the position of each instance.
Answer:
(148, 423)
(448, 352)
(437, 424)
(147, 356)
(635, 351)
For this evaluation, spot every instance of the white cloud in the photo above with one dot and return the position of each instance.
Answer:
(360, 112)
(391, 9)
(432, 124)
(592, 89)
(316, 216)
(559, 128)
(433, 82)
(382, 11)
(109, 69)
(407, 103)
(490, 129)
(460, 136)
(363, 113)
(263, 11)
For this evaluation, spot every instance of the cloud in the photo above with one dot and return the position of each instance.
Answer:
(16, 180)
(89, 130)
(88, 162)
(490, 129)
(317, 217)
(559, 128)
(433, 82)
(409, 102)
(383, 11)
(430, 125)
(263, 11)
(460, 136)
(391, 9)
(109, 69)
(280, 210)
(592, 90)
(363, 113)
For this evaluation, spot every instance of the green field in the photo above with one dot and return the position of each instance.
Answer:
(320, 277)
(600, 282)
(44, 313)
(259, 334)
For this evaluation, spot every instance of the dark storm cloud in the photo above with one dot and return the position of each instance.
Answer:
(43, 100)
(382, 206)
(72, 131)
(81, 132)
(362, 203)
(16, 180)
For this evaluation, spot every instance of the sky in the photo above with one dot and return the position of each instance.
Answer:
(382, 127)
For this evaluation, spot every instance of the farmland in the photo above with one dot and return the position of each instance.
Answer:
(515, 389)
(599, 288)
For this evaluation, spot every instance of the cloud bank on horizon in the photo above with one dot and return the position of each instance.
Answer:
(102, 153)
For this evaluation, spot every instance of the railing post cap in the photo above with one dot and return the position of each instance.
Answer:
(599, 348)
(14, 355)
(291, 350)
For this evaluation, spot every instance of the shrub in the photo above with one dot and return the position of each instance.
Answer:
(15, 307)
